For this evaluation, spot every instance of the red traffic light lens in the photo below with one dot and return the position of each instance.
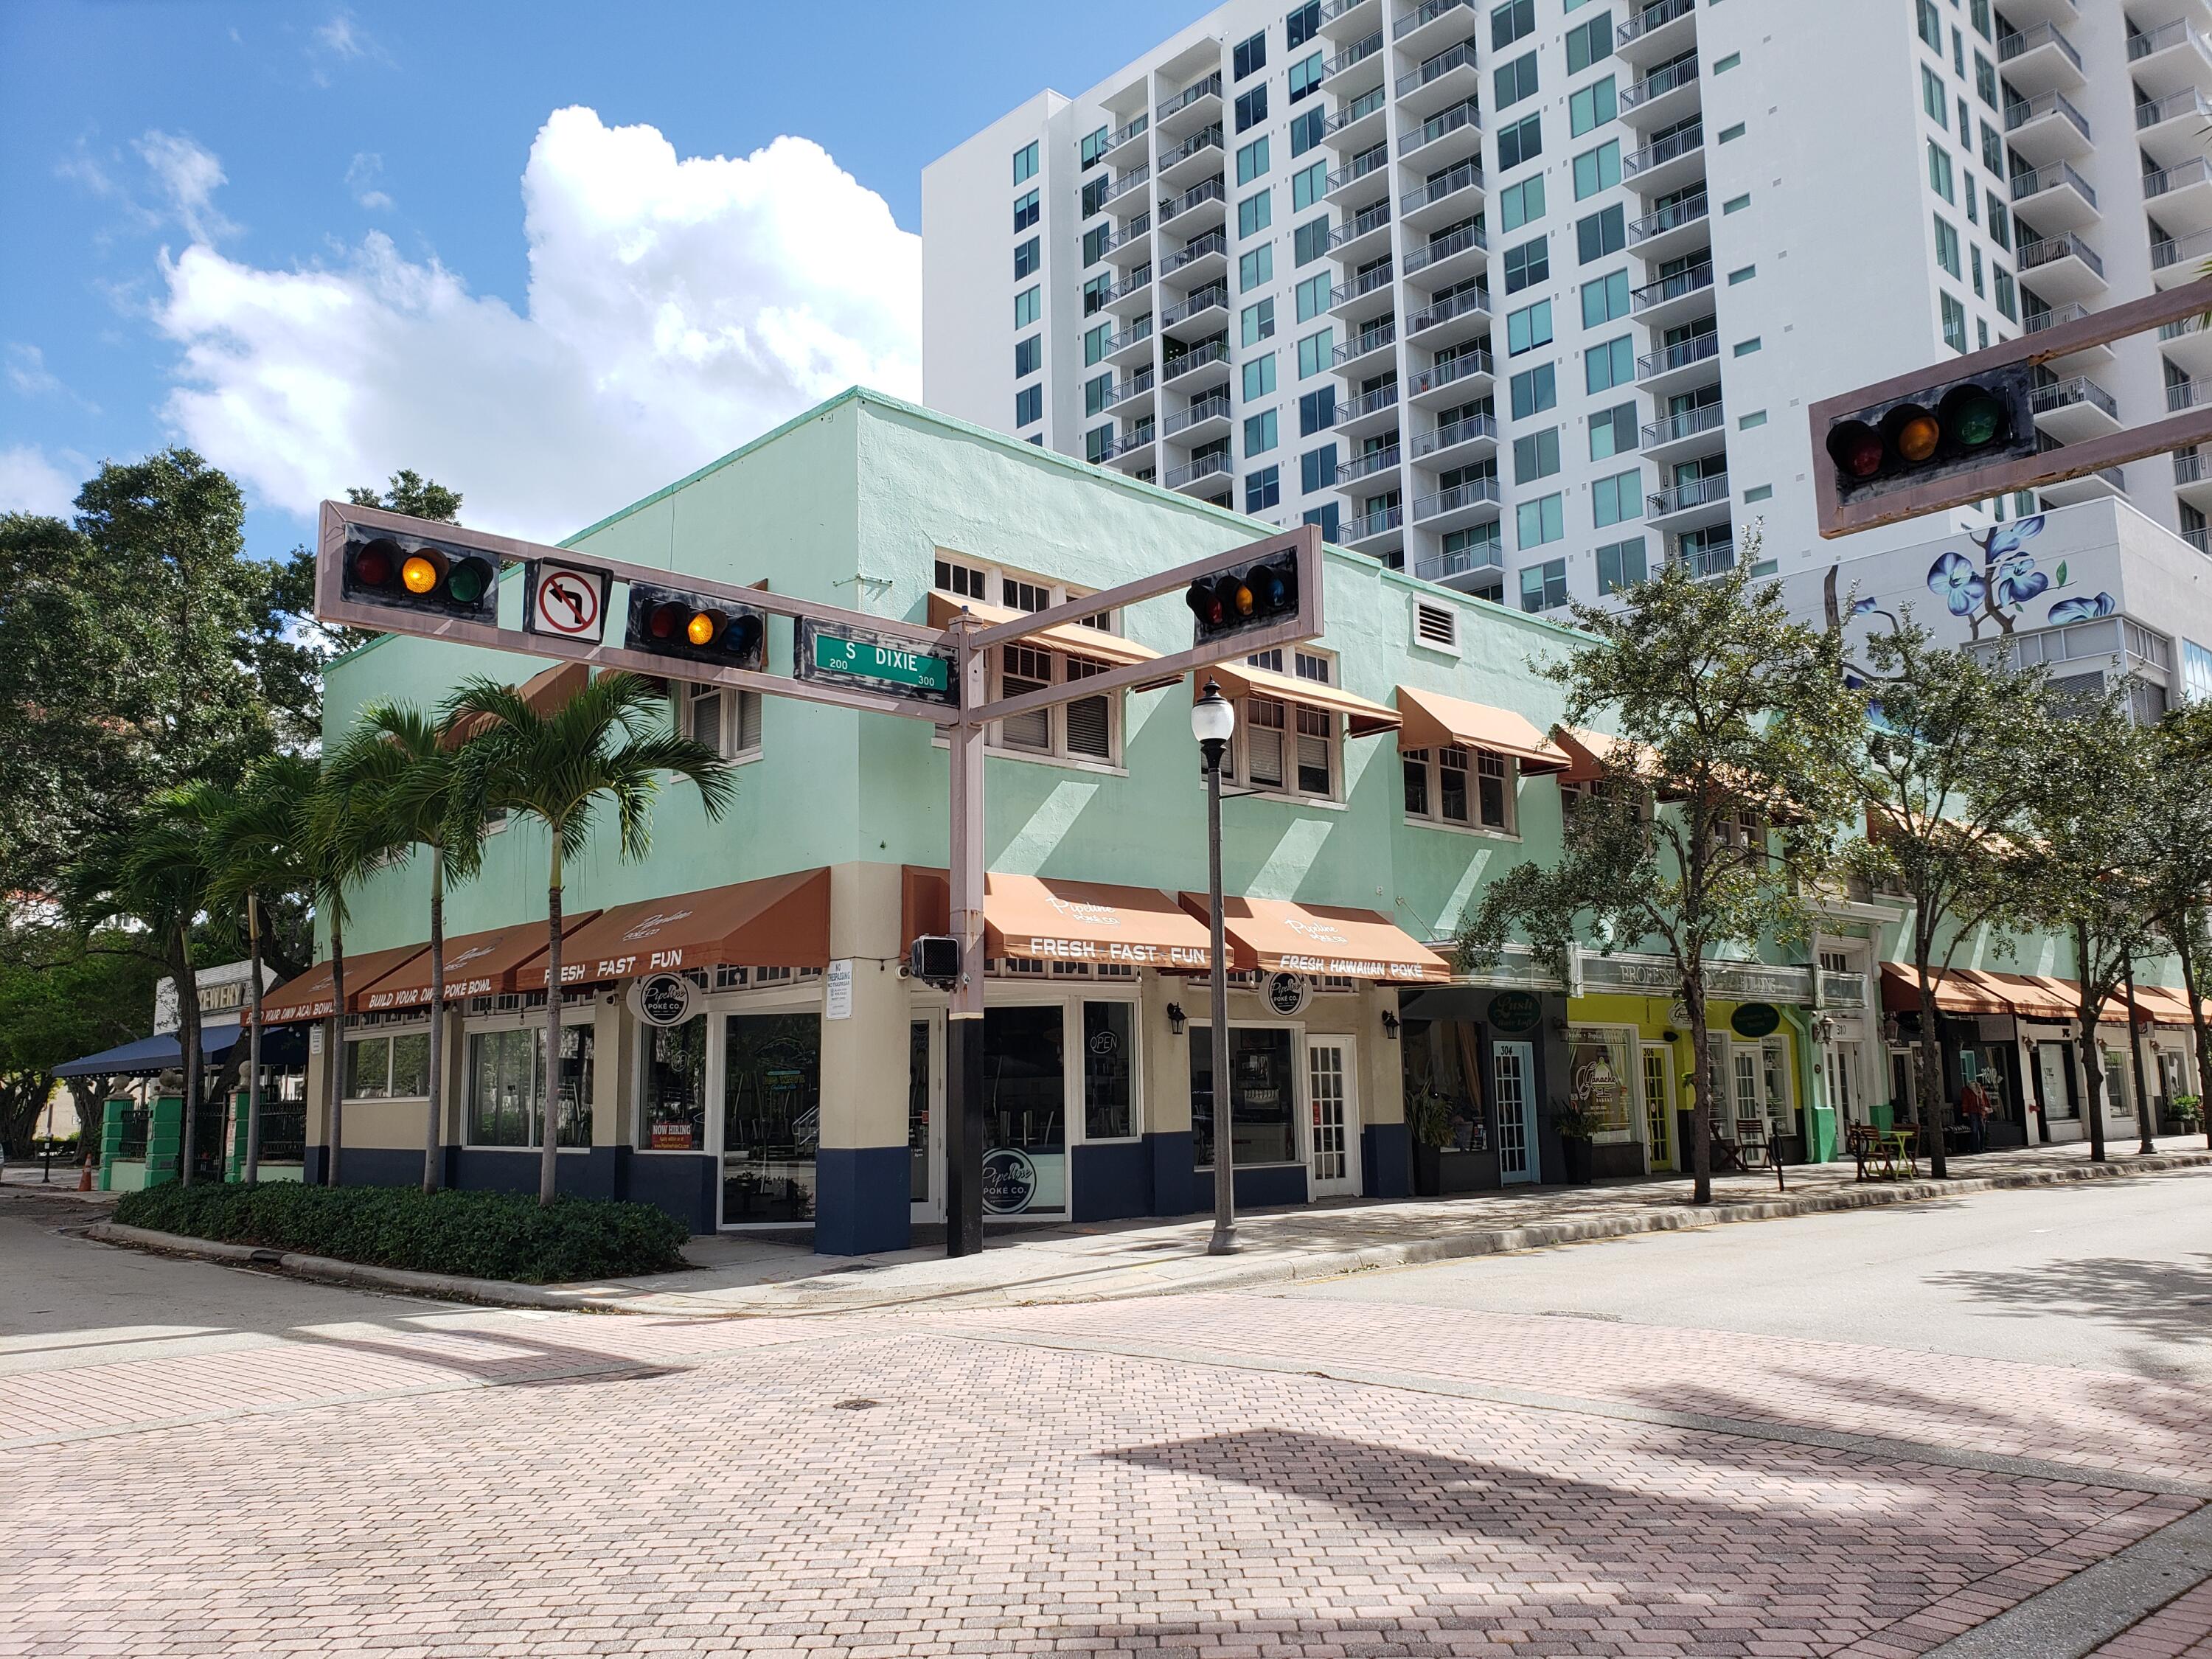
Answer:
(376, 564)
(1856, 449)
(664, 622)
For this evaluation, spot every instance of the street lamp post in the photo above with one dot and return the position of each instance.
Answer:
(1212, 722)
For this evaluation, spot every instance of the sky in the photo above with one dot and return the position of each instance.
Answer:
(554, 255)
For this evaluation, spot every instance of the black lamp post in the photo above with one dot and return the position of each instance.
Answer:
(1212, 722)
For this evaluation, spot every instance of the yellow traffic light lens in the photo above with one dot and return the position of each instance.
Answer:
(1916, 438)
(419, 573)
(700, 631)
(1243, 599)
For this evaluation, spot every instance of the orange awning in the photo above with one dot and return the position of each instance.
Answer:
(2032, 996)
(1279, 935)
(1957, 992)
(485, 964)
(1073, 637)
(1433, 720)
(2162, 1005)
(546, 690)
(308, 997)
(1047, 919)
(1588, 754)
(1362, 719)
(779, 922)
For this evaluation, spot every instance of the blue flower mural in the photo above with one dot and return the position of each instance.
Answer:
(2007, 538)
(1953, 578)
(2073, 610)
(2015, 580)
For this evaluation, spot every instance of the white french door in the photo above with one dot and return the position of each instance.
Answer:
(1332, 1147)
(1513, 1064)
(1659, 1105)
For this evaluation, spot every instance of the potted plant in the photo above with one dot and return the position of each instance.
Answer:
(1576, 1125)
(1428, 1122)
(2184, 1114)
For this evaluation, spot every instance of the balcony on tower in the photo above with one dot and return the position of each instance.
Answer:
(1657, 33)
(2055, 197)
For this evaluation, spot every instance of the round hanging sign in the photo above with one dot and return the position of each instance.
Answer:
(1288, 993)
(1512, 1011)
(1755, 1019)
(662, 999)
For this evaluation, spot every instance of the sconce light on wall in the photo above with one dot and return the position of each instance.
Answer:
(1389, 1025)
(1670, 1036)
(1176, 1019)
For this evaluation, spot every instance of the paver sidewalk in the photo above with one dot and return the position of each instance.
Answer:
(1109, 1261)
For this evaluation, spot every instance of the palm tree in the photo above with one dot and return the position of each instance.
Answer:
(344, 835)
(610, 742)
(412, 768)
(260, 855)
(154, 871)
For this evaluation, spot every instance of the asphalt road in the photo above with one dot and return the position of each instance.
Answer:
(2111, 1276)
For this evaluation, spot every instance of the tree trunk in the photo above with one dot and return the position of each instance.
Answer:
(2204, 1029)
(1929, 1114)
(1701, 1133)
(433, 1125)
(549, 1158)
(2146, 1118)
(188, 1050)
(254, 1042)
(334, 1055)
(2093, 1059)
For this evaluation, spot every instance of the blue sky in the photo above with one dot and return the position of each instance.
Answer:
(270, 230)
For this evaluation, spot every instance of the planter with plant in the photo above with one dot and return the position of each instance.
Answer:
(1428, 1123)
(2184, 1114)
(1576, 1125)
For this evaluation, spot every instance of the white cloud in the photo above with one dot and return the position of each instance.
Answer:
(27, 371)
(29, 482)
(187, 177)
(676, 309)
(361, 177)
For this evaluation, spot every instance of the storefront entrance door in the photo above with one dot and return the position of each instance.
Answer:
(925, 1117)
(2055, 1071)
(1334, 1144)
(1517, 1154)
(1658, 1106)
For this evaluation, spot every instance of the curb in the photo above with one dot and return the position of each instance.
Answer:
(1484, 1242)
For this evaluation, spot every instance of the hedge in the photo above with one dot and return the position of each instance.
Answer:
(473, 1235)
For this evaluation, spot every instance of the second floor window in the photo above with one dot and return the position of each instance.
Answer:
(727, 721)
(1082, 728)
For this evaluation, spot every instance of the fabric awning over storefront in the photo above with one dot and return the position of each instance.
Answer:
(1280, 935)
(150, 1055)
(1433, 720)
(2031, 996)
(2163, 1005)
(1050, 919)
(485, 964)
(1957, 992)
(779, 922)
(1362, 719)
(308, 997)
(1588, 754)
(1073, 637)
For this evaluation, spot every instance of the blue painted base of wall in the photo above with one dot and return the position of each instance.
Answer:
(862, 1200)
(1111, 1182)
(1385, 1161)
(1265, 1188)
(1174, 1186)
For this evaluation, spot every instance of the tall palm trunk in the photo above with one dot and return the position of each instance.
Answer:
(2093, 1059)
(253, 1041)
(334, 1054)
(2146, 1119)
(188, 1049)
(2184, 945)
(433, 1125)
(1701, 1128)
(549, 1158)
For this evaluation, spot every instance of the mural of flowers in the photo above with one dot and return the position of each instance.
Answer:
(2015, 580)
(1953, 578)
(2073, 610)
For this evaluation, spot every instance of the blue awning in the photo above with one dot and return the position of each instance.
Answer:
(152, 1054)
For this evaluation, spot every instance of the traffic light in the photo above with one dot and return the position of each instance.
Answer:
(1245, 596)
(408, 573)
(668, 623)
(1949, 427)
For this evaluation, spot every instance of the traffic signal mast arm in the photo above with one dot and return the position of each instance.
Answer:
(1907, 499)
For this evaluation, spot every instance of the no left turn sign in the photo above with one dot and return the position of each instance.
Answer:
(567, 600)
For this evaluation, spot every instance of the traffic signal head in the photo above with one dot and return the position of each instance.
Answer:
(1245, 596)
(669, 623)
(1948, 427)
(408, 573)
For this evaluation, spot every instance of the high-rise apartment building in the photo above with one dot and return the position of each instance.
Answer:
(1526, 296)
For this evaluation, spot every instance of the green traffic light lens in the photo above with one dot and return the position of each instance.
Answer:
(1976, 420)
(468, 580)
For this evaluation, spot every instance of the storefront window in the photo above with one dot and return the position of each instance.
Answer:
(671, 1108)
(1262, 1101)
(506, 1072)
(1599, 1067)
(1107, 1051)
(1024, 1111)
(388, 1068)
(917, 1111)
(771, 1116)
(1443, 1059)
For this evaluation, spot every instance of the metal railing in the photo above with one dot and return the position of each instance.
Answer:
(1474, 301)
(1191, 471)
(2036, 321)
(1141, 277)
(1139, 330)
(1191, 252)
(2081, 389)
(1214, 406)
(1358, 52)
(2152, 42)
(1204, 138)
(1210, 87)
(1121, 136)
(1709, 560)
(1373, 219)
(135, 1123)
(1422, 15)
(2051, 103)
(1681, 283)
(1650, 18)
(1140, 175)
(1661, 81)
(1382, 460)
(2187, 104)
(1451, 58)
(2170, 251)
(1365, 526)
(1464, 367)
(1443, 247)
(1662, 150)
(2052, 249)
(2036, 180)
(2010, 46)
(1673, 216)
(1365, 283)
(1333, 9)
(1466, 429)
(1212, 351)
(1695, 349)
(1208, 190)
(1483, 555)
(1367, 161)
(1465, 113)
(1140, 437)
(1370, 403)
(2195, 171)
(1681, 497)
(1353, 112)
(2200, 539)
(1139, 226)
(1466, 175)
(1213, 294)
(283, 1133)
(1135, 387)
(1373, 339)
(1687, 424)
(1476, 492)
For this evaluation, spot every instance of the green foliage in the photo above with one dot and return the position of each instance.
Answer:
(1571, 1120)
(62, 995)
(412, 494)
(1428, 1117)
(474, 1235)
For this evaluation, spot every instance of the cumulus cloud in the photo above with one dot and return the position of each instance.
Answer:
(187, 177)
(29, 482)
(677, 307)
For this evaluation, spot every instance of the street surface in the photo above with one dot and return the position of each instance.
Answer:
(1971, 1427)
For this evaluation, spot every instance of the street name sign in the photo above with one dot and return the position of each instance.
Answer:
(844, 655)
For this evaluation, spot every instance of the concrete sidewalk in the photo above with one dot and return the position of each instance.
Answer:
(735, 1276)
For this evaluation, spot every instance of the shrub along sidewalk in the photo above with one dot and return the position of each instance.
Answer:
(467, 1234)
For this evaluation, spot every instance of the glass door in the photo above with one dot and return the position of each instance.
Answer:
(1517, 1152)
(1334, 1146)
(925, 1117)
(1658, 1106)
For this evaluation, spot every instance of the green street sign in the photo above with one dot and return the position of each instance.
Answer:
(849, 656)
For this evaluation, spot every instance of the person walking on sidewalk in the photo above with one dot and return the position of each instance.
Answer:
(1974, 1107)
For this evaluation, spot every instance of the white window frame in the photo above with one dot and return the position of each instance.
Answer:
(1059, 668)
(416, 1027)
(1434, 818)
(729, 720)
(1320, 668)
(583, 1011)
(1637, 1131)
(998, 585)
